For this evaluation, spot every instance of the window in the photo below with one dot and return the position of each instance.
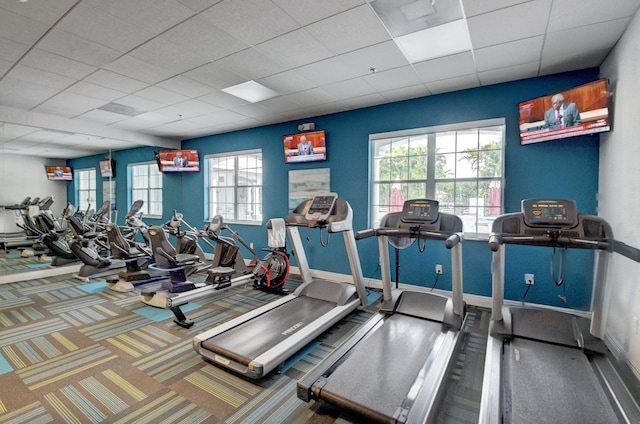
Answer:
(234, 186)
(461, 166)
(146, 184)
(86, 189)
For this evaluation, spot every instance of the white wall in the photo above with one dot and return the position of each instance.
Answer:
(23, 176)
(619, 191)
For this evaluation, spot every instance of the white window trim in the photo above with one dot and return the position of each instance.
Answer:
(436, 129)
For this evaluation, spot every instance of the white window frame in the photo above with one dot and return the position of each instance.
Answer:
(86, 193)
(221, 196)
(477, 218)
(151, 189)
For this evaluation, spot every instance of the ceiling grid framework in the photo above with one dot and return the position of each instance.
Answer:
(82, 77)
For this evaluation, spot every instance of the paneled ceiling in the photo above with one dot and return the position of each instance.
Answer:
(81, 77)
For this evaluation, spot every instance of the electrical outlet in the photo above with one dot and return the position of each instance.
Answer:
(438, 269)
(529, 278)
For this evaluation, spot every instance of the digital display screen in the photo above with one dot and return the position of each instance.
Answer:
(62, 173)
(574, 112)
(556, 212)
(420, 210)
(305, 147)
(178, 161)
(321, 206)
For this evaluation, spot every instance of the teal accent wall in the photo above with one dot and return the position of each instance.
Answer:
(565, 168)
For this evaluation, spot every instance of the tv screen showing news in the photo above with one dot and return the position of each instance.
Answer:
(577, 111)
(178, 161)
(107, 168)
(55, 172)
(305, 147)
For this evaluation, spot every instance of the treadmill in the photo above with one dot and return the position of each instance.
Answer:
(259, 341)
(545, 365)
(393, 369)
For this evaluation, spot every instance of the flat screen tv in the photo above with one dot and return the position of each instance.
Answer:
(58, 172)
(178, 160)
(108, 168)
(305, 147)
(577, 111)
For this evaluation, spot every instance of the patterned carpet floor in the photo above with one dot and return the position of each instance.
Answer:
(75, 352)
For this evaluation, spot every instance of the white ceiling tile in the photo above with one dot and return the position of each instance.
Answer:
(287, 82)
(140, 103)
(576, 13)
(202, 37)
(95, 91)
(22, 94)
(405, 93)
(356, 87)
(103, 28)
(496, 76)
(513, 23)
(309, 11)
(364, 101)
(140, 70)
(198, 5)
(215, 76)
(102, 116)
(71, 103)
(155, 16)
(251, 64)
(509, 54)
(350, 30)
(580, 41)
(164, 54)
(20, 29)
(311, 97)
(446, 67)
(463, 82)
(328, 71)
(294, 49)
(383, 56)
(280, 105)
(60, 65)
(222, 100)
(110, 79)
(47, 12)
(475, 7)
(161, 95)
(77, 48)
(186, 86)
(252, 21)
(393, 79)
(12, 50)
(40, 77)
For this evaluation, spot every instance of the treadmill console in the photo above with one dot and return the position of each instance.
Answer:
(321, 207)
(549, 212)
(420, 211)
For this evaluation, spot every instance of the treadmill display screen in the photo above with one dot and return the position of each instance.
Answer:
(554, 212)
(421, 210)
(321, 207)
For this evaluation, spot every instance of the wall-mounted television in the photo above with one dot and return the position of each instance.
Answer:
(577, 111)
(305, 147)
(108, 168)
(178, 160)
(59, 172)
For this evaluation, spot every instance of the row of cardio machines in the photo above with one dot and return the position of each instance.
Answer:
(422, 329)
(541, 365)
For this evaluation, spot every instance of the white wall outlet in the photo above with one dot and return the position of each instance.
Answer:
(529, 278)
(438, 269)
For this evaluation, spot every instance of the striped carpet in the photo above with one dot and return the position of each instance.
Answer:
(73, 352)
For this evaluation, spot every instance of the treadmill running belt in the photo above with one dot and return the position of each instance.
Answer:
(381, 369)
(555, 384)
(245, 342)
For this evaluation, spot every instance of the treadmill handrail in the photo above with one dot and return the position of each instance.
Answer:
(549, 240)
(408, 232)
